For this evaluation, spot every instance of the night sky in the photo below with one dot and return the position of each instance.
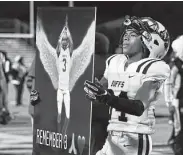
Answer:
(169, 13)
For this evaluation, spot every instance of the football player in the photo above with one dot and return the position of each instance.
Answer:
(64, 52)
(134, 79)
(175, 83)
(4, 79)
(18, 73)
(6, 64)
(5, 116)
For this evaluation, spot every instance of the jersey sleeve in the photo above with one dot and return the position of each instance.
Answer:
(107, 65)
(158, 71)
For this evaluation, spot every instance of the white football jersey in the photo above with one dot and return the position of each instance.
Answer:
(127, 82)
(63, 66)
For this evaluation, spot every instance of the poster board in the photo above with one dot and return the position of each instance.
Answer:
(50, 136)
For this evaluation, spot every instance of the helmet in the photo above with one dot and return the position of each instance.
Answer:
(154, 36)
(177, 46)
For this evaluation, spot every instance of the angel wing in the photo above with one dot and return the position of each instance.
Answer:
(47, 54)
(82, 56)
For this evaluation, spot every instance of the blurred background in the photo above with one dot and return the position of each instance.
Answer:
(17, 42)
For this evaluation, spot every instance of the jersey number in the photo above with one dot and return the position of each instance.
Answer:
(120, 115)
(64, 67)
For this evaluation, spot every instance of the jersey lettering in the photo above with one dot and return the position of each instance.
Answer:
(117, 84)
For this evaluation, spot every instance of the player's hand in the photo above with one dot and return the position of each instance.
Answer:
(95, 91)
(34, 97)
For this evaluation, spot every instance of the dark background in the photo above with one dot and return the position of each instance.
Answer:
(168, 12)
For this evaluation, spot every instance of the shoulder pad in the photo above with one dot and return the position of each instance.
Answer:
(158, 70)
(143, 63)
(110, 58)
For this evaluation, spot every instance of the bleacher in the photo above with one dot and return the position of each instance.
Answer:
(17, 46)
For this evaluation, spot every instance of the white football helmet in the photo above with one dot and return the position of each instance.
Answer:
(153, 34)
(177, 46)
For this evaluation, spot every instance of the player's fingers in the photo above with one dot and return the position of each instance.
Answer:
(89, 91)
(91, 86)
(34, 92)
(86, 89)
(90, 97)
(87, 82)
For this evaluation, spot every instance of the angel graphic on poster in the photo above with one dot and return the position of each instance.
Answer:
(64, 64)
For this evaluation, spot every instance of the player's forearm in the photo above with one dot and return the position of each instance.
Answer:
(96, 92)
(133, 107)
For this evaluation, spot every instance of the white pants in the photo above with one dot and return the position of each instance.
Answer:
(63, 96)
(123, 143)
